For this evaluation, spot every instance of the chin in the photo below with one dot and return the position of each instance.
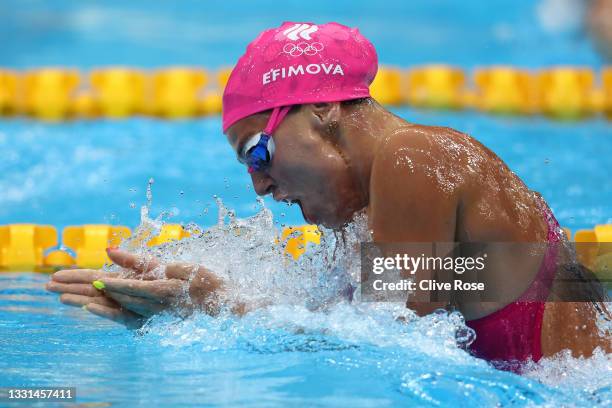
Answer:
(323, 216)
(313, 217)
(332, 221)
(331, 224)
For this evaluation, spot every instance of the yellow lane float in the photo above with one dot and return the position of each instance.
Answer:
(594, 250)
(603, 263)
(120, 92)
(211, 103)
(567, 232)
(566, 92)
(22, 246)
(436, 86)
(48, 93)
(176, 92)
(85, 105)
(223, 76)
(386, 87)
(603, 234)
(505, 90)
(57, 259)
(169, 232)
(8, 92)
(586, 246)
(89, 242)
(296, 239)
(606, 78)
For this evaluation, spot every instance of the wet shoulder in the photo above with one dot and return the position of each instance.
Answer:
(444, 142)
(446, 156)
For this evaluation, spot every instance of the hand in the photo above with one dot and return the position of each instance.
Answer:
(76, 290)
(130, 301)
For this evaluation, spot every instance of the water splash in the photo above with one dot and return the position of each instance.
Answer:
(302, 306)
(592, 376)
(248, 255)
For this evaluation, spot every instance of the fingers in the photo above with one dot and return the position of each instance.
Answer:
(116, 314)
(183, 271)
(130, 261)
(79, 300)
(106, 308)
(82, 289)
(80, 275)
(141, 306)
(159, 290)
(205, 286)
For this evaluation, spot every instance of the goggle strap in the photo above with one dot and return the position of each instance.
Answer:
(278, 114)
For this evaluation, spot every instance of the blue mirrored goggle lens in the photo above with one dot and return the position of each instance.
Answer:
(259, 156)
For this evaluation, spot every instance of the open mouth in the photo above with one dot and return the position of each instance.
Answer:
(302, 210)
(298, 202)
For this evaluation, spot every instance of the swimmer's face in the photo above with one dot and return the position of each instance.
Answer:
(307, 166)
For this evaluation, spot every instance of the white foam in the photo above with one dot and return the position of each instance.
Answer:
(308, 296)
(563, 372)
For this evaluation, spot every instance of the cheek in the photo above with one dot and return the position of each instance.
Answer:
(296, 160)
(330, 182)
(306, 165)
(315, 166)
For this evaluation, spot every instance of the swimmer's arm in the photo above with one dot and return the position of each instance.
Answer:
(408, 202)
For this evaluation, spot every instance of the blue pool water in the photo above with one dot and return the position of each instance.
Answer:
(346, 357)
(350, 355)
(528, 33)
(97, 172)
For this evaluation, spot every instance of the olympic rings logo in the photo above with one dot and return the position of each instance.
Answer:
(302, 48)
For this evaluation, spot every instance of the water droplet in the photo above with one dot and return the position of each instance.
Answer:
(149, 193)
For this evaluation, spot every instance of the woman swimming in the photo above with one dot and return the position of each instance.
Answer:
(298, 113)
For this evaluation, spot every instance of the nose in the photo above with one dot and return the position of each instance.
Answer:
(263, 183)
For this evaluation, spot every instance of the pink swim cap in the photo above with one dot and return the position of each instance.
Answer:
(299, 63)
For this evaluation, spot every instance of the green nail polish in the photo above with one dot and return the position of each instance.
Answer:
(98, 284)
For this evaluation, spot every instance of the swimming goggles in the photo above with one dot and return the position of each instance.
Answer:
(258, 150)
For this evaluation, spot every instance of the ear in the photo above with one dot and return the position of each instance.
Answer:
(324, 114)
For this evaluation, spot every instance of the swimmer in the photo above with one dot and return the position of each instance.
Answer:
(298, 113)
(599, 22)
